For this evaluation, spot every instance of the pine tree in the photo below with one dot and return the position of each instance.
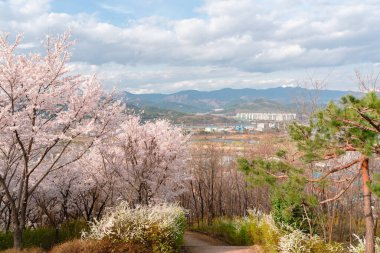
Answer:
(353, 125)
(350, 127)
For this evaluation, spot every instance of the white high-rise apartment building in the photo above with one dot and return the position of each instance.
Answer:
(257, 116)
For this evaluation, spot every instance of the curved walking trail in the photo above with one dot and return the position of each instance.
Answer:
(200, 243)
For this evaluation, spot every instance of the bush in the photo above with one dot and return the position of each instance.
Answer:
(43, 237)
(77, 246)
(6, 240)
(299, 242)
(295, 242)
(72, 230)
(233, 231)
(158, 228)
(257, 228)
(29, 250)
(263, 231)
(46, 237)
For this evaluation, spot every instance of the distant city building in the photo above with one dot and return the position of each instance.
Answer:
(257, 116)
(260, 127)
(239, 128)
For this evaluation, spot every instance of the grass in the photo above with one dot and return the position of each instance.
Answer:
(233, 231)
(85, 246)
(92, 246)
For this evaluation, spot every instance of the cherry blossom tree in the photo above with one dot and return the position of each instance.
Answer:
(145, 162)
(80, 191)
(141, 163)
(49, 118)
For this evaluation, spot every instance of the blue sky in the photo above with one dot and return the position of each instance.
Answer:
(170, 45)
(120, 12)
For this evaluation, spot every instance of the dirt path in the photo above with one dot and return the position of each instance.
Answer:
(200, 243)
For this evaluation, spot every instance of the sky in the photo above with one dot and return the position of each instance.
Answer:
(146, 46)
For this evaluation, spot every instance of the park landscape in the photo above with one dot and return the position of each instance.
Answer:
(88, 169)
(82, 174)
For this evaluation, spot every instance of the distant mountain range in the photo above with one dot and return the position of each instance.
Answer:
(229, 101)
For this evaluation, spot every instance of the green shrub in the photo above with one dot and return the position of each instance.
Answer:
(264, 231)
(29, 250)
(45, 237)
(243, 233)
(73, 229)
(6, 240)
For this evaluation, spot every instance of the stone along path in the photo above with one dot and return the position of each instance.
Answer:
(200, 243)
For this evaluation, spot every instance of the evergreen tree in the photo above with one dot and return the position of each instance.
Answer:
(351, 126)
(290, 204)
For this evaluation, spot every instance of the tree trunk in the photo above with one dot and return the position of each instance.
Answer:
(368, 217)
(17, 236)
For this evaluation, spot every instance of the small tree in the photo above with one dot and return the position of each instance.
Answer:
(48, 120)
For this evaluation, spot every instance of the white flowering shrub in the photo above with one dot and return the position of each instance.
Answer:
(259, 228)
(299, 242)
(285, 239)
(263, 218)
(159, 228)
(360, 246)
(295, 242)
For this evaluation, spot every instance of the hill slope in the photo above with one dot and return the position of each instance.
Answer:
(232, 100)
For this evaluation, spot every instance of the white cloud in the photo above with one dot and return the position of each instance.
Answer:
(231, 42)
(116, 9)
(280, 53)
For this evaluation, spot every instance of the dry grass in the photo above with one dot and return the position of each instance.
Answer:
(88, 246)
(78, 246)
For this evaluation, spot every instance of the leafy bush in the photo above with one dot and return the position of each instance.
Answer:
(44, 237)
(264, 231)
(73, 229)
(158, 228)
(257, 228)
(6, 240)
